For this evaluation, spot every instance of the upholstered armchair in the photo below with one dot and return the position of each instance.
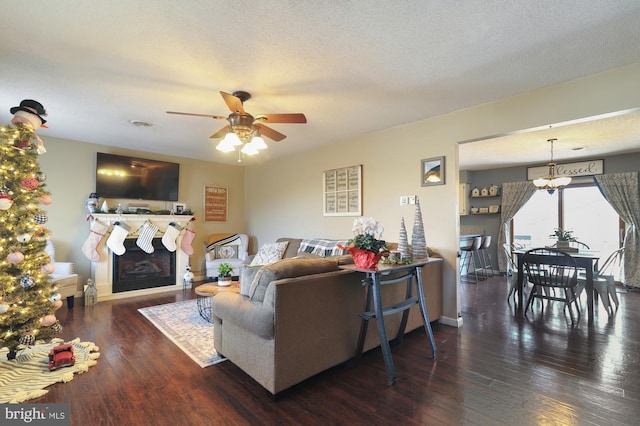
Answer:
(64, 276)
(225, 248)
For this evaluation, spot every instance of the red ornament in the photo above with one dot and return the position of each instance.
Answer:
(30, 183)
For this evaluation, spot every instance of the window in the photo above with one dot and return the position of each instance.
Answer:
(580, 208)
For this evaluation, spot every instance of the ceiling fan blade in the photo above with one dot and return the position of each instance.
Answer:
(220, 133)
(218, 117)
(282, 118)
(233, 102)
(269, 132)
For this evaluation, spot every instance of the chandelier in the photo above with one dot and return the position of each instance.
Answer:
(242, 133)
(552, 182)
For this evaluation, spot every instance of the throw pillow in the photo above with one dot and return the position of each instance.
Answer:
(269, 253)
(247, 273)
(322, 248)
(226, 252)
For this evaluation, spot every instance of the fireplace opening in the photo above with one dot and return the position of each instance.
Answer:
(137, 269)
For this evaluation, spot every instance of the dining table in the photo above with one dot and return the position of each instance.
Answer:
(585, 259)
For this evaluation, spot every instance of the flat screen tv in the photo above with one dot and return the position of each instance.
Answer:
(120, 176)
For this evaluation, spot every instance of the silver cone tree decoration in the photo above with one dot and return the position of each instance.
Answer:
(403, 242)
(418, 240)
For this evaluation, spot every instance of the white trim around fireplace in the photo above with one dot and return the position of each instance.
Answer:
(101, 271)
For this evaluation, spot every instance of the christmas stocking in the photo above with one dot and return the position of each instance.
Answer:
(89, 248)
(170, 235)
(145, 238)
(187, 239)
(117, 237)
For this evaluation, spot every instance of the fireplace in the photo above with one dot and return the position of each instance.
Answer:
(137, 269)
(147, 280)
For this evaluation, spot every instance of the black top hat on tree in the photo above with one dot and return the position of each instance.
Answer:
(29, 108)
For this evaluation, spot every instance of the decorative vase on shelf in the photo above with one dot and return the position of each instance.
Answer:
(563, 245)
(364, 259)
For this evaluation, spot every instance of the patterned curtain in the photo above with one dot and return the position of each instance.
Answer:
(621, 191)
(514, 196)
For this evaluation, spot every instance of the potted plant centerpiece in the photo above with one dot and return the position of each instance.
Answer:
(564, 238)
(224, 274)
(365, 248)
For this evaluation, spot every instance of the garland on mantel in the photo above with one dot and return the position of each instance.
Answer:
(148, 212)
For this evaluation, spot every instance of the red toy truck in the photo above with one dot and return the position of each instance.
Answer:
(61, 356)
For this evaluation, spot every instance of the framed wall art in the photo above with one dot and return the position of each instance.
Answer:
(179, 208)
(432, 171)
(216, 202)
(342, 191)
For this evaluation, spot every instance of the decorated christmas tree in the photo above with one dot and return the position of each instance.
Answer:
(27, 299)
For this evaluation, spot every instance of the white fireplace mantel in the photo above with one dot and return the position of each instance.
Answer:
(102, 270)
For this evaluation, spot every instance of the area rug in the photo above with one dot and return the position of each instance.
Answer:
(183, 325)
(26, 376)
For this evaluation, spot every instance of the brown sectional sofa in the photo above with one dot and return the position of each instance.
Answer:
(301, 317)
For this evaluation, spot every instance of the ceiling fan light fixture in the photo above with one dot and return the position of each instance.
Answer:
(552, 182)
(225, 146)
(232, 139)
(258, 142)
(249, 149)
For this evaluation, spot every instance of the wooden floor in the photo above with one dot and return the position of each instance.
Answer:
(496, 369)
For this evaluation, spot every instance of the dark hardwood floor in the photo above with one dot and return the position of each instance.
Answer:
(496, 369)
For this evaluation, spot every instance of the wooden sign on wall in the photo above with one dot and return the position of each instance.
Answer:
(216, 202)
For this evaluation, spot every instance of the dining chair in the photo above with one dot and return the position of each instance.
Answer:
(554, 275)
(604, 281)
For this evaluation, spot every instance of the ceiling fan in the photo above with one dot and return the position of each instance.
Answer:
(244, 128)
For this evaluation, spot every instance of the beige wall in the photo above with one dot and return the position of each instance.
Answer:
(284, 196)
(70, 170)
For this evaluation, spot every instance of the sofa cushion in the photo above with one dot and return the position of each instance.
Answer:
(292, 247)
(247, 273)
(287, 268)
(269, 253)
(321, 247)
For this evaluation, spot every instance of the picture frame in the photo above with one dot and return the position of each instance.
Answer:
(342, 191)
(216, 203)
(432, 171)
(179, 208)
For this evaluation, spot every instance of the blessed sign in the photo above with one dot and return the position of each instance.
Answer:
(583, 168)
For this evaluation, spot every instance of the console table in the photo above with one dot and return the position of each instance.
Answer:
(387, 275)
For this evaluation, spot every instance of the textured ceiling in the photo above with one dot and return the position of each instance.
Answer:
(352, 66)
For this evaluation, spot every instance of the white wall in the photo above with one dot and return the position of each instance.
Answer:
(284, 196)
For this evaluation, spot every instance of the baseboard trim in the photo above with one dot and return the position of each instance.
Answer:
(451, 322)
